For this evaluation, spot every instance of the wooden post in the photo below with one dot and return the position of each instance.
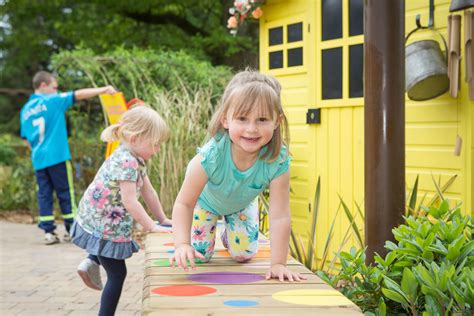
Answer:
(384, 121)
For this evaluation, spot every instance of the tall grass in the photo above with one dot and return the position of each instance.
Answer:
(182, 89)
(187, 114)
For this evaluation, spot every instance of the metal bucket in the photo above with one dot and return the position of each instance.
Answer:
(426, 73)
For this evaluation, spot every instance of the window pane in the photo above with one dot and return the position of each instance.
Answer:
(356, 70)
(331, 19)
(356, 17)
(295, 57)
(332, 73)
(276, 36)
(276, 59)
(295, 32)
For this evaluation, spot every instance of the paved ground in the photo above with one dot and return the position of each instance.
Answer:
(36, 279)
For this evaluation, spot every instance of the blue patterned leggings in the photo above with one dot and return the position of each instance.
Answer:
(240, 236)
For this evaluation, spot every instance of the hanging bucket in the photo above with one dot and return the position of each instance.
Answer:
(426, 71)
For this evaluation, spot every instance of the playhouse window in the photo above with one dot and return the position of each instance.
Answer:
(356, 67)
(331, 19)
(295, 57)
(276, 59)
(332, 73)
(356, 17)
(295, 32)
(276, 36)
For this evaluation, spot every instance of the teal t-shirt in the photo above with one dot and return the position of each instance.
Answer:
(228, 189)
(43, 125)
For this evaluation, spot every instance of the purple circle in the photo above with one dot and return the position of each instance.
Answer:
(226, 277)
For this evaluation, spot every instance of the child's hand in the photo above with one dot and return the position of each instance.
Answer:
(161, 229)
(166, 222)
(280, 271)
(109, 90)
(182, 254)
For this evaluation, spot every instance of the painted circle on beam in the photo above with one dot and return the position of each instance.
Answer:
(223, 253)
(166, 262)
(240, 303)
(183, 290)
(161, 263)
(312, 297)
(226, 277)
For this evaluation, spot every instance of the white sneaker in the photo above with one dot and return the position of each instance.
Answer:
(51, 238)
(67, 237)
(89, 271)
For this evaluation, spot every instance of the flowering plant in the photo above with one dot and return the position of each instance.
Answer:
(241, 10)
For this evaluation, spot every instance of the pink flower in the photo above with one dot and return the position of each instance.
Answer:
(114, 215)
(257, 13)
(232, 22)
(199, 233)
(130, 164)
(98, 196)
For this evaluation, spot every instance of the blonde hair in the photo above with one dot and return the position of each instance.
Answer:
(140, 121)
(248, 90)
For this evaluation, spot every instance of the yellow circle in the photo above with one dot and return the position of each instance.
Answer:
(312, 297)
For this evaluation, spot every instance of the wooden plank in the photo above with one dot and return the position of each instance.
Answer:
(260, 269)
(269, 311)
(224, 279)
(261, 289)
(212, 302)
(181, 279)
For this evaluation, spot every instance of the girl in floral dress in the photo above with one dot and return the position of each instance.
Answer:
(246, 153)
(106, 212)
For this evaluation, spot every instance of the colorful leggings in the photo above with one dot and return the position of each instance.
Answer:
(240, 236)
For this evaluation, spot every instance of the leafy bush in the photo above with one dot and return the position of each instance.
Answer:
(19, 191)
(7, 155)
(429, 271)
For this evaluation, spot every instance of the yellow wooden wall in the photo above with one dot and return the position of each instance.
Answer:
(334, 149)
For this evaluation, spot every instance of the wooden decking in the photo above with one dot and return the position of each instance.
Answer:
(224, 287)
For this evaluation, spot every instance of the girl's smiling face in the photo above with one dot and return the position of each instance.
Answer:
(251, 131)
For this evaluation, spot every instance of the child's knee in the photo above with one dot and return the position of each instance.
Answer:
(243, 256)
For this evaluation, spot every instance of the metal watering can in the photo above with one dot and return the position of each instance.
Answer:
(426, 70)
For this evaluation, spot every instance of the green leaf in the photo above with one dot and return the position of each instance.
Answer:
(413, 195)
(409, 285)
(394, 296)
(382, 307)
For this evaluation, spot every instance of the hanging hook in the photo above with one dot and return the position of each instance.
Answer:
(431, 18)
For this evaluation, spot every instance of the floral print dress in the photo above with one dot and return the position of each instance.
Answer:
(101, 215)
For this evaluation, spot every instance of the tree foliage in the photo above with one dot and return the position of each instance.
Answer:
(32, 31)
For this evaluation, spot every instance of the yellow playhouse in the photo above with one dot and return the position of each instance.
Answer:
(315, 49)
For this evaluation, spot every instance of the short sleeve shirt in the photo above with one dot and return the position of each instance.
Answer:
(101, 212)
(230, 190)
(43, 125)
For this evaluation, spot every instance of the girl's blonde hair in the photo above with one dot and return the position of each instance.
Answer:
(140, 121)
(248, 90)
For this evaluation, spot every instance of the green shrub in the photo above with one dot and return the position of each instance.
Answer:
(429, 271)
(7, 156)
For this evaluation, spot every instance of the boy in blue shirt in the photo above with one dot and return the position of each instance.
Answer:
(43, 127)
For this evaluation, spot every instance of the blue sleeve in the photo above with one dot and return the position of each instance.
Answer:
(63, 100)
